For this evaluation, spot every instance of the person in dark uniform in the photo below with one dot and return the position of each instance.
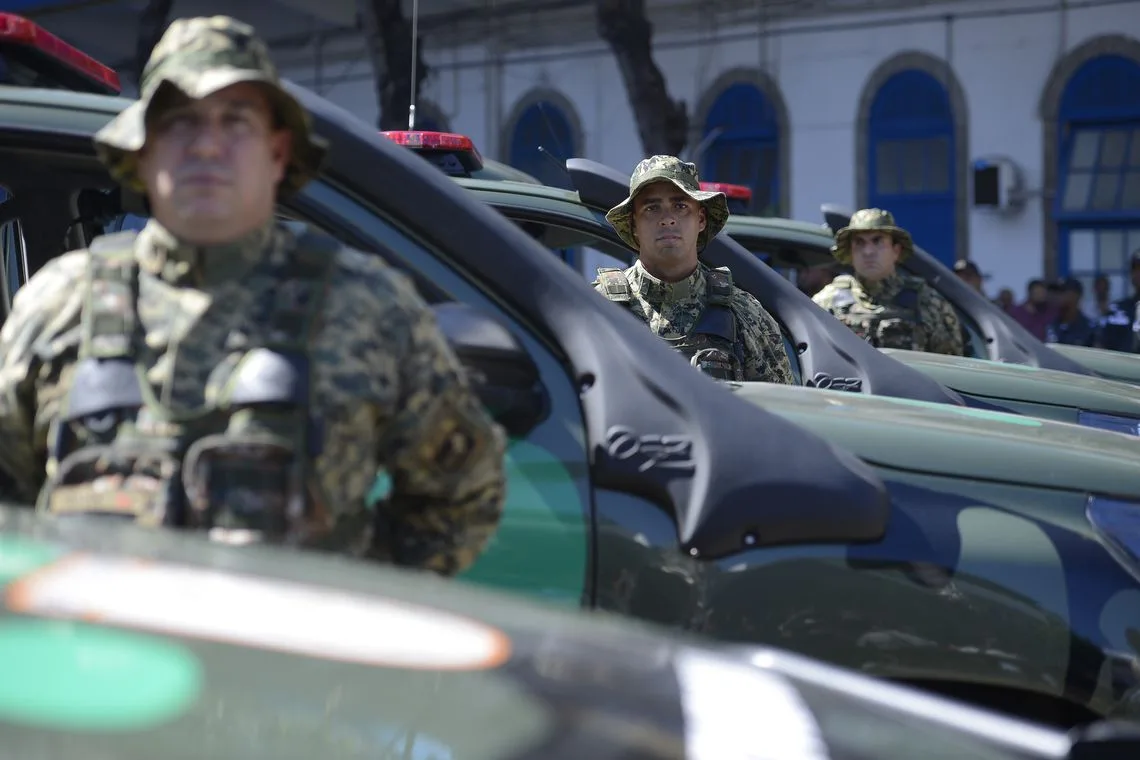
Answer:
(1118, 328)
(1071, 326)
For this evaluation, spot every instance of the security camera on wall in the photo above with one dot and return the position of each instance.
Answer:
(996, 184)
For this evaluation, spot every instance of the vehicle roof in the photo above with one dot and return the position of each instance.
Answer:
(518, 188)
(814, 234)
(128, 643)
(955, 441)
(497, 170)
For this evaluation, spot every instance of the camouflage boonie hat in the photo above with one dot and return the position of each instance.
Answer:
(870, 220)
(684, 176)
(198, 57)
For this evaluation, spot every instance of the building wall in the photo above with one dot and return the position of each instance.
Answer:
(1002, 65)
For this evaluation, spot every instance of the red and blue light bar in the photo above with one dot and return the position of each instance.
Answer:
(739, 196)
(31, 56)
(454, 154)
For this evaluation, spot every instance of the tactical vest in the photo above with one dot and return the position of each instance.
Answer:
(241, 461)
(712, 345)
(895, 324)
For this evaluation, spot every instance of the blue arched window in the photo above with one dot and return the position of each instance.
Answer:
(912, 169)
(543, 124)
(746, 148)
(1097, 208)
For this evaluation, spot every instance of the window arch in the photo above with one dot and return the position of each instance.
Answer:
(744, 133)
(911, 139)
(1092, 159)
(543, 119)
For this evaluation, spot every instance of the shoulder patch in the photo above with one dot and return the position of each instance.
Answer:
(841, 298)
(115, 247)
(613, 284)
(53, 284)
(719, 284)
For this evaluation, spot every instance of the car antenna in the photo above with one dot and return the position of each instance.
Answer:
(561, 166)
(415, 45)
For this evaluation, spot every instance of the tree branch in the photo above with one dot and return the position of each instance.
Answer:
(662, 123)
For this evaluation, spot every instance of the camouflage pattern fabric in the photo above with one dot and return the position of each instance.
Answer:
(194, 58)
(386, 386)
(684, 176)
(871, 220)
(672, 309)
(872, 311)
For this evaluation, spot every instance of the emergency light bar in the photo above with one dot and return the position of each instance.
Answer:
(455, 154)
(31, 56)
(739, 196)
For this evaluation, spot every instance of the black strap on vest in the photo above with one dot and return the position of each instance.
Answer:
(717, 317)
(105, 376)
(277, 372)
(907, 298)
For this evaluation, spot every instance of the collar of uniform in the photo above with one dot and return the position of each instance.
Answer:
(177, 262)
(885, 286)
(657, 291)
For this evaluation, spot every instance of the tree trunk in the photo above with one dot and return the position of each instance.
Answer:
(152, 23)
(662, 123)
(389, 37)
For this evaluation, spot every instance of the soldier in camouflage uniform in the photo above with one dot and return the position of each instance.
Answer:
(217, 371)
(668, 220)
(882, 306)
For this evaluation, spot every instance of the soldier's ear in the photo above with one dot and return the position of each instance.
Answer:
(281, 146)
(703, 215)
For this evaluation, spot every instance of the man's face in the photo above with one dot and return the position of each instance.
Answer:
(813, 279)
(211, 166)
(971, 279)
(874, 255)
(667, 223)
(1038, 295)
(1100, 287)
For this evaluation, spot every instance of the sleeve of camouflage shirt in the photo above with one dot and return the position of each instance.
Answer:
(444, 454)
(765, 359)
(42, 326)
(943, 330)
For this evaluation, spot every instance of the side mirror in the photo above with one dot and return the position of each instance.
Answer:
(500, 370)
(836, 217)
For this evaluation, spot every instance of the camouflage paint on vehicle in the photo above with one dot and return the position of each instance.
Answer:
(247, 656)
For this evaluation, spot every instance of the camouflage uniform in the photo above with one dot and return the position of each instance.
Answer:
(257, 386)
(720, 328)
(898, 311)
